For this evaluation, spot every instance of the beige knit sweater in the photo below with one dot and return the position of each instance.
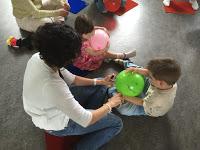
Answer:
(33, 8)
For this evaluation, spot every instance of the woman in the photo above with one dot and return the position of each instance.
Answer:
(56, 107)
(30, 14)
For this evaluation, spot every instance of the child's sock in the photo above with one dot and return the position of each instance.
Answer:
(166, 2)
(195, 5)
(126, 55)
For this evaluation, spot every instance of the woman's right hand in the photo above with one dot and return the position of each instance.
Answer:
(116, 100)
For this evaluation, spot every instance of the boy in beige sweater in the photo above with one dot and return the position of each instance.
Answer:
(160, 88)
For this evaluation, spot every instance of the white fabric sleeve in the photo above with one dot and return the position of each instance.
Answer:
(58, 93)
(68, 76)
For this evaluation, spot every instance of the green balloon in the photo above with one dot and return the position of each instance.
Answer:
(129, 83)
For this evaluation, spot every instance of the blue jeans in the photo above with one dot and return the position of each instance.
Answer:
(127, 108)
(99, 133)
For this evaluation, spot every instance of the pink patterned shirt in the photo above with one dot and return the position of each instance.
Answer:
(86, 61)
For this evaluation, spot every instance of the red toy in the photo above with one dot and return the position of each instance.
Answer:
(112, 5)
(11, 41)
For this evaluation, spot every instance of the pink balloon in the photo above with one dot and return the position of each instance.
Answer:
(99, 40)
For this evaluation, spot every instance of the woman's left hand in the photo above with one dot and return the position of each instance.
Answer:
(109, 80)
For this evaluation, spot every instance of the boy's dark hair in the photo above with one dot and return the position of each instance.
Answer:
(165, 69)
(57, 43)
(83, 24)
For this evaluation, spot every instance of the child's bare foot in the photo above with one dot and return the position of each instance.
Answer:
(130, 54)
(126, 55)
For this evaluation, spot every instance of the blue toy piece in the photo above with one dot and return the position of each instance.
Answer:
(77, 5)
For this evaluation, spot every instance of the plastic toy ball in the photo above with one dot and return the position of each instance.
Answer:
(129, 83)
(99, 40)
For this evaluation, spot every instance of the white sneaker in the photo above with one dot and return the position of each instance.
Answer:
(166, 2)
(195, 5)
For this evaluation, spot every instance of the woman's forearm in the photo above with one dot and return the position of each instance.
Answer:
(99, 113)
(81, 81)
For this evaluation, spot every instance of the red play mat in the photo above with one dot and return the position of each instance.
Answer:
(179, 7)
(129, 5)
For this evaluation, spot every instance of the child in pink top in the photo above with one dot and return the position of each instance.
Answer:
(90, 59)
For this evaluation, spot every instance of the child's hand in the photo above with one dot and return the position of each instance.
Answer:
(142, 71)
(132, 69)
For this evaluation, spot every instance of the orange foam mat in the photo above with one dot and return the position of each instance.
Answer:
(179, 7)
(129, 5)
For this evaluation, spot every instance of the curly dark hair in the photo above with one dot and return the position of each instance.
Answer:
(83, 24)
(57, 43)
(165, 69)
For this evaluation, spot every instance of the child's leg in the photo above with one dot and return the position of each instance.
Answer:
(126, 63)
(129, 109)
(125, 55)
(166, 2)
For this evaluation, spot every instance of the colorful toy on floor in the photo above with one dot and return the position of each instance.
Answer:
(129, 83)
(99, 40)
(11, 41)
